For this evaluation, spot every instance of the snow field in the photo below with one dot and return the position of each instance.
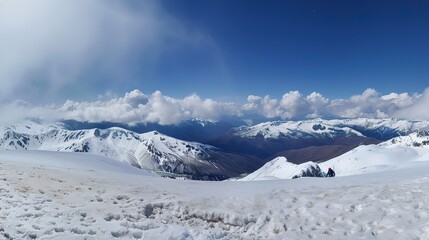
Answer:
(42, 200)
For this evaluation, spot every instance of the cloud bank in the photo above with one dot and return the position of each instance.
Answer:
(417, 109)
(369, 104)
(137, 107)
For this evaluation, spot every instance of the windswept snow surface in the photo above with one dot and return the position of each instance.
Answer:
(47, 195)
(74, 161)
(152, 150)
(397, 153)
(280, 168)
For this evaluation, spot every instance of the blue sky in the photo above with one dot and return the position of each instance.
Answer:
(287, 59)
(338, 48)
(231, 49)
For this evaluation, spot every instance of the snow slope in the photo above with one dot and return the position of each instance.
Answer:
(42, 199)
(153, 151)
(280, 168)
(78, 162)
(399, 152)
(313, 140)
(294, 129)
(376, 128)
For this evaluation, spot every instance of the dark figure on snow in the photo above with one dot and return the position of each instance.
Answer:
(330, 173)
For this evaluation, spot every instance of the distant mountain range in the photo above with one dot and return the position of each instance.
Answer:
(397, 153)
(312, 140)
(208, 150)
(194, 130)
(153, 151)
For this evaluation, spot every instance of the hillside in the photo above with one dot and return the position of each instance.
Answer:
(152, 151)
(44, 196)
(397, 153)
(313, 140)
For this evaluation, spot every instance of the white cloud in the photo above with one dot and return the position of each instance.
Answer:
(317, 103)
(369, 104)
(137, 107)
(19, 110)
(51, 48)
(292, 104)
(368, 95)
(261, 106)
(417, 110)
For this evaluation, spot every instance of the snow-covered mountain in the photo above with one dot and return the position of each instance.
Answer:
(193, 130)
(397, 153)
(294, 130)
(280, 168)
(415, 139)
(153, 151)
(51, 195)
(244, 150)
(375, 128)
(382, 129)
(324, 139)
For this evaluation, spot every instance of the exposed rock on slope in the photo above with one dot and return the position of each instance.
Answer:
(153, 151)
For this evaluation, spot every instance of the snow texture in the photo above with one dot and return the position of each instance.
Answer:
(152, 150)
(331, 128)
(48, 195)
(280, 168)
(397, 153)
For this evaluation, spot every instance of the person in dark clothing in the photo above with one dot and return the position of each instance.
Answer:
(330, 173)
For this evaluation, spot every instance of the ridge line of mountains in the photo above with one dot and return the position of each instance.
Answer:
(210, 150)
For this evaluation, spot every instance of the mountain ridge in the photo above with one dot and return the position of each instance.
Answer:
(152, 150)
(397, 153)
(241, 150)
(270, 139)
